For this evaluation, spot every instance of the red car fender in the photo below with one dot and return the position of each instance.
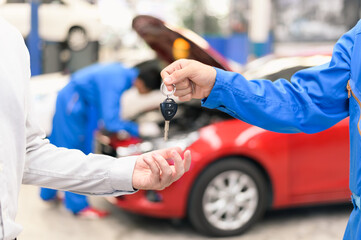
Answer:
(236, 138)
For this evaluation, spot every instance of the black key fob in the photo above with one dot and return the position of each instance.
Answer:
(168, 108)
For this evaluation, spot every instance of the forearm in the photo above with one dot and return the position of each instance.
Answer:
(303, 105)
(71, 170)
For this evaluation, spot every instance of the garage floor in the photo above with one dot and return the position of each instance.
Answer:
(49, 221)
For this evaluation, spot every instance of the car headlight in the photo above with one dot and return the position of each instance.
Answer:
(183, 141)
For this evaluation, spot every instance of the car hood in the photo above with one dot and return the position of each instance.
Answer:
(171, 43)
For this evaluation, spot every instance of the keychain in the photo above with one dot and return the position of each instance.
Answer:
(168, 108)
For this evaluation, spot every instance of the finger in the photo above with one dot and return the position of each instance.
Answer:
(174, 66)
(185, 98)
(167, 173)
(187, 160)
(169, 87)
(183, 92)
(183, 84)
(178, 165)
(177, 77)
(167, 152)
(167, 78)
(153, 168)
(166, 72)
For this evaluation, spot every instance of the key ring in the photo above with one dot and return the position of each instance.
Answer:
(166, 92)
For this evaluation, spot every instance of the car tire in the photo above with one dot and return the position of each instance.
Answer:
(77, 39)
(241, 192)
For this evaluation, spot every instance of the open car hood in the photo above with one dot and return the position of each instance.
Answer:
(171, 44)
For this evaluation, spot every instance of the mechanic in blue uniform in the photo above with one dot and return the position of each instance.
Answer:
(91, 100)
(315, 99)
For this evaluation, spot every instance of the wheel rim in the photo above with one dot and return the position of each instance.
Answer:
(77, 39)
(230, 200)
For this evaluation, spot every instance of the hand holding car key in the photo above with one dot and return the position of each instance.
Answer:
(168, 108)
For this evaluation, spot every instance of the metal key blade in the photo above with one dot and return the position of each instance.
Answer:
(166, 129)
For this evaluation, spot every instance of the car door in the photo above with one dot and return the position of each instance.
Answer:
(319, 163)
(318, 166)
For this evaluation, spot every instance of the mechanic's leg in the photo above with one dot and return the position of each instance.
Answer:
(48, 194)
(75, 202)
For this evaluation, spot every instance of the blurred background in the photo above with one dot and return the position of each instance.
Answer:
(76, 33)
(278, 176)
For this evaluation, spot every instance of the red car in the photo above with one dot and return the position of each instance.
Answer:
(238, 170)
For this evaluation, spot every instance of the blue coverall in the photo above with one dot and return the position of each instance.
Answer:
(314, 100)
(92, 97)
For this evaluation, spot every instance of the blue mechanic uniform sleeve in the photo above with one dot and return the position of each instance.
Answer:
(314, 100)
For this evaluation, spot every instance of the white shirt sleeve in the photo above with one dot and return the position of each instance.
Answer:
(71, 170)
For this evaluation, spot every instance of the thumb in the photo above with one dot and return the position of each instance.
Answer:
(168, 83)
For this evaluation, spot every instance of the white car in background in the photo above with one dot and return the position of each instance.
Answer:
(76, 22)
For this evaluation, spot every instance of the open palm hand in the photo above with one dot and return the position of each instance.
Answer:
(154, 170)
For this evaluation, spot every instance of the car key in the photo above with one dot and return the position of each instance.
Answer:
(168, 108)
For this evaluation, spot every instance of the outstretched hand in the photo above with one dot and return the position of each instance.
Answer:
(191, 78)
(152, 170)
